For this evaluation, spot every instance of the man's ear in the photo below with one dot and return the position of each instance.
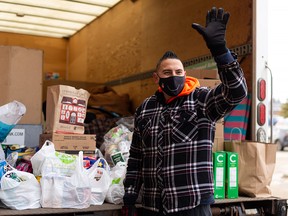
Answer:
(155, 78)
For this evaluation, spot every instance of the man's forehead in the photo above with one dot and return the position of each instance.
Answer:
(171, 63)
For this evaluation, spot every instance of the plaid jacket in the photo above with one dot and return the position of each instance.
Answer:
(171, 150)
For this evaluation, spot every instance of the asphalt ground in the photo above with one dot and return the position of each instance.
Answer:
(279, 184)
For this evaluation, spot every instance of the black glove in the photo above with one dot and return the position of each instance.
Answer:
(130, 210)
(214, 33)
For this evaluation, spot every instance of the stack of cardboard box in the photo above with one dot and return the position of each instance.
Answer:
(66, 112)
(71, 143)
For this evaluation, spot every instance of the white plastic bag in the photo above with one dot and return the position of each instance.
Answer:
(20, 190)
(99, 175)
(117, 143)
(47, 161)
(2, 154)
(10, 114)
(116, 191)
(67, 192)
(115, 194)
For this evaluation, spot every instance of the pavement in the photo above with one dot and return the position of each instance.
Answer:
(279, 184)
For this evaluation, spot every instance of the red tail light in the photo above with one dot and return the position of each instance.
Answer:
(261, 117)
(261, 89)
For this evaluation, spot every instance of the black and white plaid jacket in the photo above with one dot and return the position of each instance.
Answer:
(171, 150)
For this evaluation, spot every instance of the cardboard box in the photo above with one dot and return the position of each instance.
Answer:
(219, 132)
(24, 135)
(219, 136)
(218, 144)
(210, 83)
(89, 153)
(232, 175)
(70, 142)
(15, 136)
(202, 74)
(21, 79)
(219, 170)
(77, 84)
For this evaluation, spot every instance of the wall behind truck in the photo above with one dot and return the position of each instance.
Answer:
(130, 38)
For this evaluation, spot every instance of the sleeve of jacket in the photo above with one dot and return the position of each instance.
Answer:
(221, 100)
(133, 179)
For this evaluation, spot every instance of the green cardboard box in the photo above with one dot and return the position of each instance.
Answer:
(232, 175)
(219, 169)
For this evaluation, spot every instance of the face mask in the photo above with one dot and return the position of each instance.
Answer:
(173, 85)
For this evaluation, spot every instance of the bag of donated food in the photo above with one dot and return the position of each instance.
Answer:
(10, 115)
(47, 160)
(66, 109)
(60, 191)
(99, 176)
(20, 190)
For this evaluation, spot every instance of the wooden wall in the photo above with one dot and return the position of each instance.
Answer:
(131, 38)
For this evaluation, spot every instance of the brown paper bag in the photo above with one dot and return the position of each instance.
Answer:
(256, 166)
(66, 109)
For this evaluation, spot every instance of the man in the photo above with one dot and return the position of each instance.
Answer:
(171, 150)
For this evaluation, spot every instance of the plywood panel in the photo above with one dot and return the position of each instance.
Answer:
(115, 46)
(137, 90)
(78, 57)
(137, 34)
(130, 38)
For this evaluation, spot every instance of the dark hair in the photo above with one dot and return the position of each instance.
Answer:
(167, 55)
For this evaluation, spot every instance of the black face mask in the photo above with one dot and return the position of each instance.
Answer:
(173, 85)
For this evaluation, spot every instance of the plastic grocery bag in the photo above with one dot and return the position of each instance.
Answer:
(4, 167)
(20, 190)
(99, 175)
(10, 114)
(67, 192)
(116, 191)
(48, 161)
(117, 143)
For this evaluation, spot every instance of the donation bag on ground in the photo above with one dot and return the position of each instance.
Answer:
(100, 180)
(59, 191)
(66, 109)
(20, 190)
(256, 166)
(116, 189)
(47, 160)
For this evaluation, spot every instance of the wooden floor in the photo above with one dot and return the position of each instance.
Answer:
(99, 210)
